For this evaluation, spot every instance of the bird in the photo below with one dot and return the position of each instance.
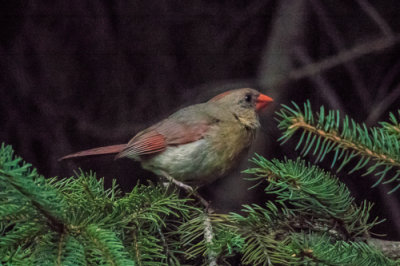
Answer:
(197, 144)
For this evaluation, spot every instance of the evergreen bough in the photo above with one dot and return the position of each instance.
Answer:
(377, 149)
(312, 220)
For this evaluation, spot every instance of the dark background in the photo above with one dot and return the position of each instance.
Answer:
(80, 73)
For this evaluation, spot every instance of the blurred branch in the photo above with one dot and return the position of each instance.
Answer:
(381, 107)
(391, 202)
(376, 17)
(389, 248)
(241, 21)
(287, 30)
(339, 44)
(388, 80)
(342, 57)
(327, 92)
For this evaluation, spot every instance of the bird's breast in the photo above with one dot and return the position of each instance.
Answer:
(204, 160)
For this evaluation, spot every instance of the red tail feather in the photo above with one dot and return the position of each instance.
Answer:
(96, 151)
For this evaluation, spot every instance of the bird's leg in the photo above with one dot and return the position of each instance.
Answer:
(188, 189)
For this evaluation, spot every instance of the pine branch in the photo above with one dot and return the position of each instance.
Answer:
(392, 127)
(70, 252)
(322, 134)
(320, 249)
(314, 220)
(298, 220)
(77, 221)
(105, 247)
(265, 234)
(313, 196)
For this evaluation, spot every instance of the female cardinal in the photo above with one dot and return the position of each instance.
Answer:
(197, 144)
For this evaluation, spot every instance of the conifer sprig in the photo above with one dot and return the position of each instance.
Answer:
(393, 126)
(376, 149)
(314, 195)
(266, 233)
(76, 221)
(317, 249)
(153, 225)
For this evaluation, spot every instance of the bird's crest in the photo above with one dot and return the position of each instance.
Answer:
(220, 96)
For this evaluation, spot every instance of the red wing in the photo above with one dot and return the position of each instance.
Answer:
(156, 138)
(144, 143)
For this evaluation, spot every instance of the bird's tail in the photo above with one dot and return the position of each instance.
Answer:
(96, 151)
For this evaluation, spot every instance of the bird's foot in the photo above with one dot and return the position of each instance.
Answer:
(208, 228)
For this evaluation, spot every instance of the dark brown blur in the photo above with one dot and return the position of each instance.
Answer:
(79, 74)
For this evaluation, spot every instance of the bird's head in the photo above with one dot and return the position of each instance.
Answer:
(244, 104)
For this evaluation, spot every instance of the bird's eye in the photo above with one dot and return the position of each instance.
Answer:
(247, 98)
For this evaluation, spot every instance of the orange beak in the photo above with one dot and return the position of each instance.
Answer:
(262, 101)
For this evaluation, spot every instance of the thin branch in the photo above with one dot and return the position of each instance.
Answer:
(343, 142)
(188, 189)
(208, 231)
(376, 17)
(389, 248)
(339, 44)
(391, 202)
(322, 85)
(388, 80)
(341, 58)
(241, 21)
(208, 237)
(381, 107)
(164, 241)
(288, 28)
(136, 247)
(60, 248)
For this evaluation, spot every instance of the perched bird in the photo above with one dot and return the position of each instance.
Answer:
(197, 144)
